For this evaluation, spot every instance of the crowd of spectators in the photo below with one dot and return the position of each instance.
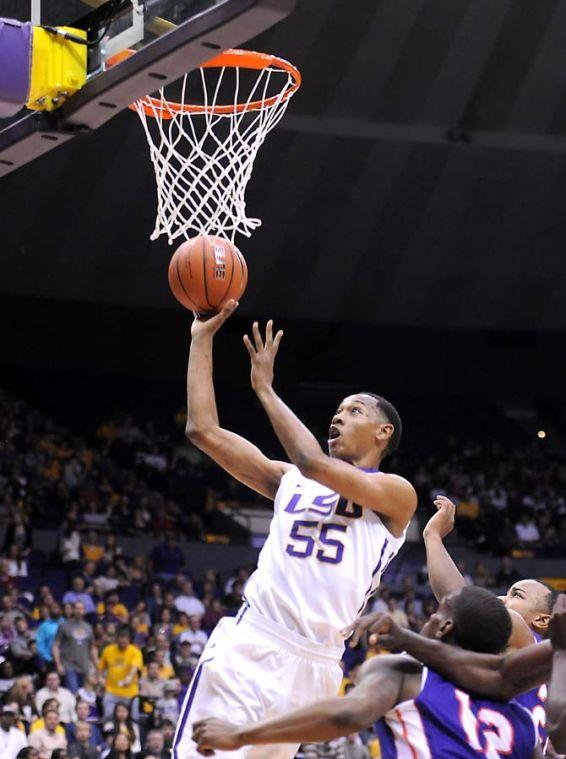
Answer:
(129, 477)
(89, 674)
(508, 499)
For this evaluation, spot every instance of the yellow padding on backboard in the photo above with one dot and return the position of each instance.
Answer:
(58, 68)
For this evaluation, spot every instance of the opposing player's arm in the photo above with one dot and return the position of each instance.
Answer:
(497, 676)
(237, 456)
(556, 701)
(443, 574)
(379, 689)
(390, 495)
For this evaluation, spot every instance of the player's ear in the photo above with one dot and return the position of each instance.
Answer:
(541, 622)
(384, 431)
(445, 628)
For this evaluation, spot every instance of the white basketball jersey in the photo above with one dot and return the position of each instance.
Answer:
(322, 560)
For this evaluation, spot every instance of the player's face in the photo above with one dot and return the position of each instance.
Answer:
(526, 597)
(356, 428)
(436, 626)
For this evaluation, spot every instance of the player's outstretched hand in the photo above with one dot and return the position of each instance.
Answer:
(210, 734)
(380, 628)
(206, 324)
(262, 354)
(442, 523)
(557, 624)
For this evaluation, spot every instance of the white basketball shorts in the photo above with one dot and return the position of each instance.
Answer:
(253, 668)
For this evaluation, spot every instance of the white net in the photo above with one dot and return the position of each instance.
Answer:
(203, 160)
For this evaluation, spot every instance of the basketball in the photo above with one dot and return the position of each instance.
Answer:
(207, 271)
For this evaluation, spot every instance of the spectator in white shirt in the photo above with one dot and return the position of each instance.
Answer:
(188, 602)
(194, 634)
(65, 698)
(526, 530)
(12, 740)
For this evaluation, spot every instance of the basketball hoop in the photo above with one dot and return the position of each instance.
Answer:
(203, 153)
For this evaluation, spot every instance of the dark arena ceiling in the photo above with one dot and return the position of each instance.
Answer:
(418, 179)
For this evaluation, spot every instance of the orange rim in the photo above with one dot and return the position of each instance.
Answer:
(245, 59)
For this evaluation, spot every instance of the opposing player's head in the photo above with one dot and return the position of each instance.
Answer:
(533, 600)
(364, 426)
(472, 618)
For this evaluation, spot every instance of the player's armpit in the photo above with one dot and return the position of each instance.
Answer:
(240, 458)
(389, 495)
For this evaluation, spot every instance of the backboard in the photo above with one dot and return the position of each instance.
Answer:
(170, 37)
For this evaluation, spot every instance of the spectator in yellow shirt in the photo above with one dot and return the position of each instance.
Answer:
(120, 666)
(113, 608)
(92, 550)
(165, 671)
(51, 704)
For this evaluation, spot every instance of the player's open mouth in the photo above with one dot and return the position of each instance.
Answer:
(333, 433)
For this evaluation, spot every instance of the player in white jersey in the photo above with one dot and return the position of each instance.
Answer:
(337, 522)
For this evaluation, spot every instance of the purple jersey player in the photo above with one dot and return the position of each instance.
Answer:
(443, 721)
(420, 713)
(529, 602)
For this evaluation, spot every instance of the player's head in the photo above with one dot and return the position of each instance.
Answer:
(364, 423)
(533, 600)
(472, 618)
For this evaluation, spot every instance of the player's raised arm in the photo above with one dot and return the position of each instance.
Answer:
(378, 691)
(445, 577)
(443, 574)
(390, 495)
(237, 456)
(556, 702)
(502, 676)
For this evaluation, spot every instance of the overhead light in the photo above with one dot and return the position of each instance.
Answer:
(541, 434)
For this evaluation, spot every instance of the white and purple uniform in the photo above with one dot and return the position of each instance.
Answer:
(322, 560)
(446, 723)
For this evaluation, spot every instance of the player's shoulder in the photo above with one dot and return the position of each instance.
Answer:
(400, 664)
(400, 487)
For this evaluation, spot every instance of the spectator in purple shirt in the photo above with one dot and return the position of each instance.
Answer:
(78, 593)
(167, 558)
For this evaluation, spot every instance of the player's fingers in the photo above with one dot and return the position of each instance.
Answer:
(269, 332)
(257, 337)
(278, 338)
(249, 346)
(359, 631)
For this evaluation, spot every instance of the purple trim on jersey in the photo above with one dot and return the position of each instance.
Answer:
(187, 708)
(368, 469)
(386, 740)
(373, 574)
(242, 611)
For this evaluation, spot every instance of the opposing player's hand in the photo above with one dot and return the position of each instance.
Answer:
(557, 626)
(380, 628)
(209, 325)
(442, 523)
(210, 734)
(262, 354)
